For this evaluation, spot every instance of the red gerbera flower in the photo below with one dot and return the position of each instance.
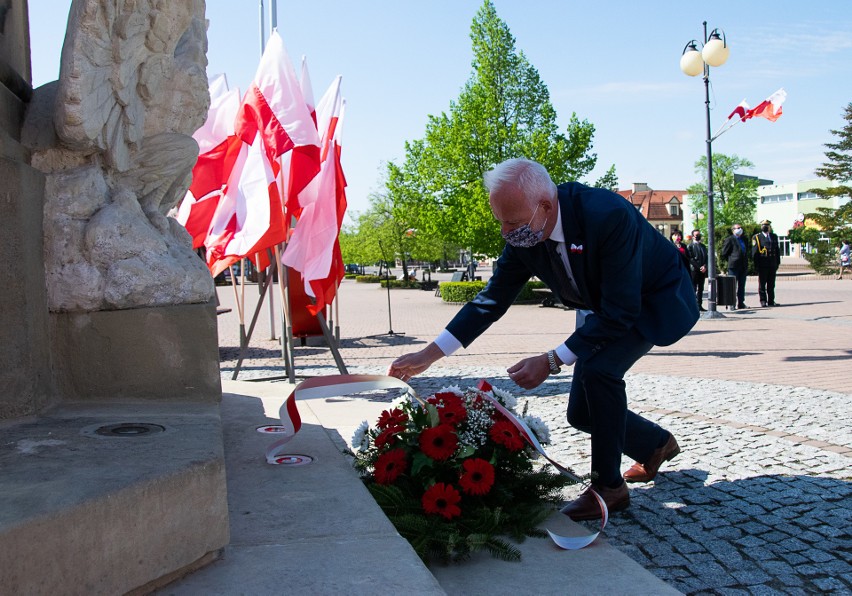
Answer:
(504, 433)
(452, 412)
(442, 499)
(478, 476)
(388, 436)
(390, 465)
(439, 442)
(395, 417)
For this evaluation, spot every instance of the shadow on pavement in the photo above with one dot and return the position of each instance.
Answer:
(845, 355)
(703, 354)
(773, 531)
(372, 341)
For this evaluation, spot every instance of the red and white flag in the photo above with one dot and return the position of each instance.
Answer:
(249, 217)
(314, 249)
(218, 149)
(275, 108)
(770, 108)
(741, 111)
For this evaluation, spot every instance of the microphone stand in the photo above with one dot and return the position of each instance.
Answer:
(390, 332)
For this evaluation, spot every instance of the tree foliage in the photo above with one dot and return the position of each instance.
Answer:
(503, 111)
(734, 197)
(838, 164)
(609, 180)
(825, 222)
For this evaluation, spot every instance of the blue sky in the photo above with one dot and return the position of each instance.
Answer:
(614, 63)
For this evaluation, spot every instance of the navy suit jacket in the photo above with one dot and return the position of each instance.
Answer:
(627, 273)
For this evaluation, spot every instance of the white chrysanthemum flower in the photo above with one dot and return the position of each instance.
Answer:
(505, 398)
(361, 440)
(451, 389)
(539, 428)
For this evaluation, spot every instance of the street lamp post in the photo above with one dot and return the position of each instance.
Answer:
(693, 62)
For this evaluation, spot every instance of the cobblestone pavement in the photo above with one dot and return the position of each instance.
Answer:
(760, 499)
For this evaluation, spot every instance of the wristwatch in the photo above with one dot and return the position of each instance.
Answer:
(551, 360)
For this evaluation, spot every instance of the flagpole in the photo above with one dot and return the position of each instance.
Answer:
(262, 31)
(239, 306)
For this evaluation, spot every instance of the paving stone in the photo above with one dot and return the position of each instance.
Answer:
(751, 577)
(830, 584)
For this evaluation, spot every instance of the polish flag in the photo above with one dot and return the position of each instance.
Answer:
(274, 107)
(770, 108)
(249, 217)
(741, 111)
(314, 249)
(291, 203)
(218, 149)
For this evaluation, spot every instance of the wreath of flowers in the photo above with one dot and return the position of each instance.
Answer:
(455, 476)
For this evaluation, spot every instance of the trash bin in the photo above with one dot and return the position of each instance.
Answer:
(725, 290)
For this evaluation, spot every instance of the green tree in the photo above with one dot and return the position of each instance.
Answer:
(609, 180)
(503, 111)
(834, 224)
(734, 196)
(838, 164)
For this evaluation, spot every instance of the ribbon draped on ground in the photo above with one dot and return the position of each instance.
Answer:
(335, 385)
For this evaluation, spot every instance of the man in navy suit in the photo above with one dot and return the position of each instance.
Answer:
(602, 257)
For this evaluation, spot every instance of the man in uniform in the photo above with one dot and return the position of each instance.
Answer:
(767, 257)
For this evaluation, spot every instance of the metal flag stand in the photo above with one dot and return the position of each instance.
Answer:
(287, 353)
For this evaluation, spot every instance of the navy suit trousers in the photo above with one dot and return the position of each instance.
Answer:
(597, 405)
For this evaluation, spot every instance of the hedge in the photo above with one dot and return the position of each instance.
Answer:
(368, 279)
(400, 283)
(465, 291)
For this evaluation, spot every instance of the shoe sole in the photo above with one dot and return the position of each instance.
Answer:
(649, 478)
(620, 506)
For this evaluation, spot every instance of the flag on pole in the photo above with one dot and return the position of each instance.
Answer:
(770, 108)
(217, 148)
(275, 108)
(249, 217)
(314, 249)
(740, 111)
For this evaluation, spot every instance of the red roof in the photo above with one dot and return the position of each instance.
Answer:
(654, 204)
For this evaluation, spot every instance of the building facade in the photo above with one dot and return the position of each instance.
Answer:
(786, 204)
(662, 208)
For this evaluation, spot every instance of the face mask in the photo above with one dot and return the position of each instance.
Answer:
(738, 232)
(524, 237)
(764, 228)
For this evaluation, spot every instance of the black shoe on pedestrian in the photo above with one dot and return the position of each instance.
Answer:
(763, 304)
(774, 304)
(742, 305)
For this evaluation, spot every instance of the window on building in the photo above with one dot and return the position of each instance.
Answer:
(803, 196)
(783, 198)
(674, 209)
(784, 245)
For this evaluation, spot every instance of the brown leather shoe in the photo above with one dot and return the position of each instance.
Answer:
(647, 471)
(586, 506)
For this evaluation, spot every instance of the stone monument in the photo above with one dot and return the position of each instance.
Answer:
(110, 386)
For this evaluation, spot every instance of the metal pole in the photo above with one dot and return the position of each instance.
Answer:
(262, 32)
(273, 15)
(711, 226)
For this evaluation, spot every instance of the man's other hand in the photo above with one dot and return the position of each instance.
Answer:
(530, 372)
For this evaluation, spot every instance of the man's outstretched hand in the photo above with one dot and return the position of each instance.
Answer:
(409, 365)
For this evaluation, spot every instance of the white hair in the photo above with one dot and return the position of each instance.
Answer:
(528, 178)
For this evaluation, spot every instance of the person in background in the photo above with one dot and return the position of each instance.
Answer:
(601, 256)
(698, 260)
(677, 240)
(735, 252)
(767, 257)
(845, 258)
